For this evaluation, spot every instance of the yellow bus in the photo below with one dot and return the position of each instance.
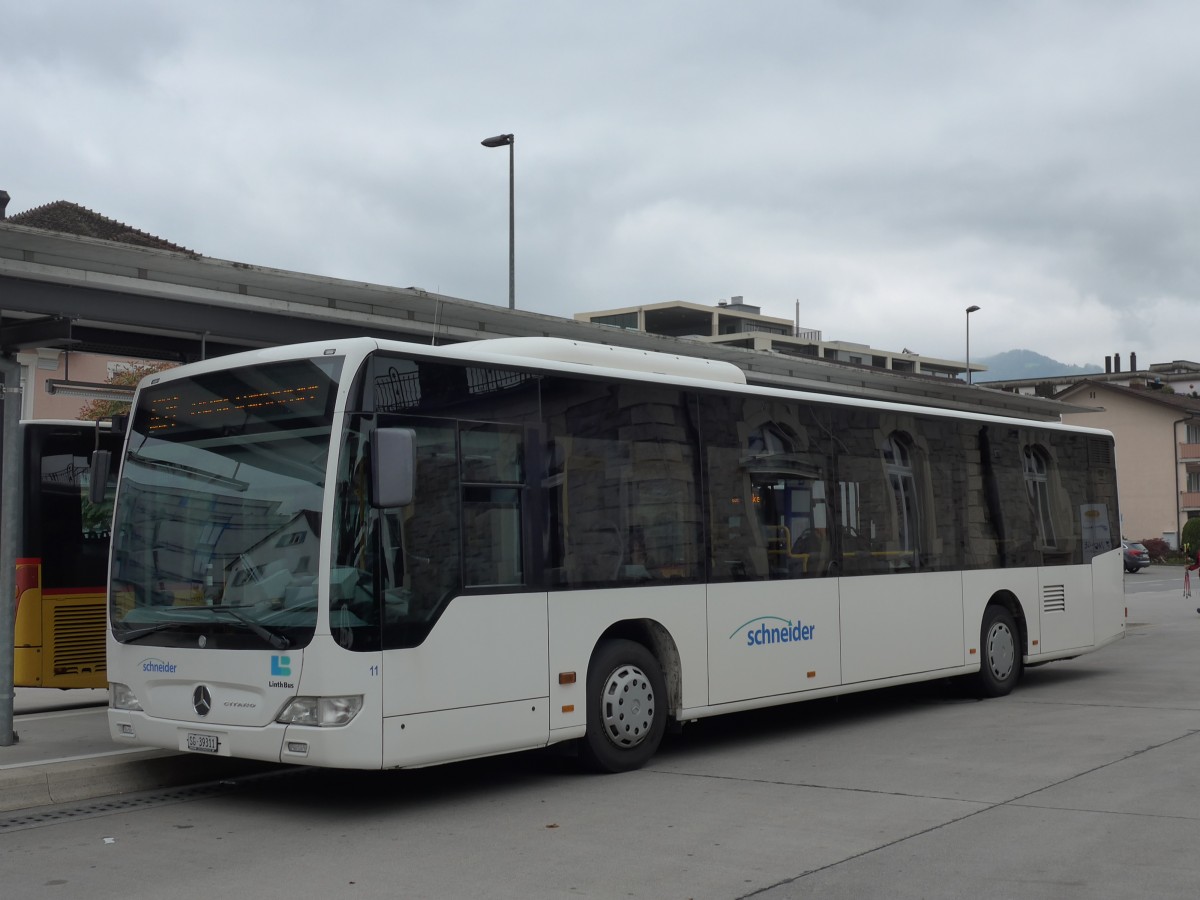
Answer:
(62, 557)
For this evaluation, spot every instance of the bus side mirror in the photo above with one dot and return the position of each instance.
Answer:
(393, 467)
(98, 477)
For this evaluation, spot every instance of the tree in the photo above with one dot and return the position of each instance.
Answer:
(128, 376)
(1190, 537)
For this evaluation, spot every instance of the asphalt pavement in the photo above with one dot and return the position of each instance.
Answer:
(64, 753)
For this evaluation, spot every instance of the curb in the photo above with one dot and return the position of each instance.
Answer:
(70, 782)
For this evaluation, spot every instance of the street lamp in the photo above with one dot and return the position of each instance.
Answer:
(970, 309)
(501, 140)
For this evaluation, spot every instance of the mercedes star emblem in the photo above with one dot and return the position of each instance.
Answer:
(201, 700)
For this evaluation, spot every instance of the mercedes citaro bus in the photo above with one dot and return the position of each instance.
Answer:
(367, 554)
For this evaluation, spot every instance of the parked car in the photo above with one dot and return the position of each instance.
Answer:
(1137, 557)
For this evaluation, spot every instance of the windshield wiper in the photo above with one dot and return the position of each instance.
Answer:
(274, 638)
(130, 636)
(175, 468)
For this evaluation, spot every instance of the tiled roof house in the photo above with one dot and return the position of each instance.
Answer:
(71, 218)
(50, 364)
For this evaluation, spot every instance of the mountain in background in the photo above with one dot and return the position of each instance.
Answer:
(1013, 364)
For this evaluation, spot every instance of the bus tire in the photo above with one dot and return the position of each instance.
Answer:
(1000, 661)
(626, 707)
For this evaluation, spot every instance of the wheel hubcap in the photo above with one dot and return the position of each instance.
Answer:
(627, 706)
(1001, 650)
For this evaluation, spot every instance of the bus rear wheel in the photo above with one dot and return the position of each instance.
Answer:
(626, 707)
(1000, 650)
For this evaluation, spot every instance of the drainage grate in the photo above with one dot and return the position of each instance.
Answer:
(56, 815)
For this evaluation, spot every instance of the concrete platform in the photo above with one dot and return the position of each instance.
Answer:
(64, 755)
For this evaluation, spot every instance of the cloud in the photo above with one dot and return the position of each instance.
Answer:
(886, 165)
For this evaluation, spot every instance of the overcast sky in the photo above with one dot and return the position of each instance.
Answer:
(886, 164)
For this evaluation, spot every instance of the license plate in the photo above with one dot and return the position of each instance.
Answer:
(203, 743)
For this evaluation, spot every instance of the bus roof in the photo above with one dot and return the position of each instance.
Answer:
(629, 359)
(590, 360)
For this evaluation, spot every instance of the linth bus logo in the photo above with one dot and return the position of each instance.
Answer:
(786, 632)
(281, 668)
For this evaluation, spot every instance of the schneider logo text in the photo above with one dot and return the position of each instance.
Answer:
(775, 630)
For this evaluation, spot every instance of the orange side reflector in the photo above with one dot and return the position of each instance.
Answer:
(566, 677)
(812, 674)
(570, 707)
(1035, 643)
(972, 651)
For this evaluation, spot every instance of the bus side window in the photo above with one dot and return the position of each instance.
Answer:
(492, 472)
(904, 538)
(767, 477)
(621, 485)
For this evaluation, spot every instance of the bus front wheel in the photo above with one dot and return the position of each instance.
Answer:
(1000, 650)
(626, 707)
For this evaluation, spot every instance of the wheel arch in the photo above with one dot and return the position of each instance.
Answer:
(658, 640)
(1010, 601)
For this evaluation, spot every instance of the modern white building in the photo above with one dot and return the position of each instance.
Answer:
(735, 323)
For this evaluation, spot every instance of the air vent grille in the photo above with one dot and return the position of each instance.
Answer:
(1054, 598)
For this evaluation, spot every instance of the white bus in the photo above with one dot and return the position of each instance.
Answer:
(373, 554)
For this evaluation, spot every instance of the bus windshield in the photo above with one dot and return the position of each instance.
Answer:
(216, 529)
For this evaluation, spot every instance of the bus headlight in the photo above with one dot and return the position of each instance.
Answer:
(323, 712)
(121, 697)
